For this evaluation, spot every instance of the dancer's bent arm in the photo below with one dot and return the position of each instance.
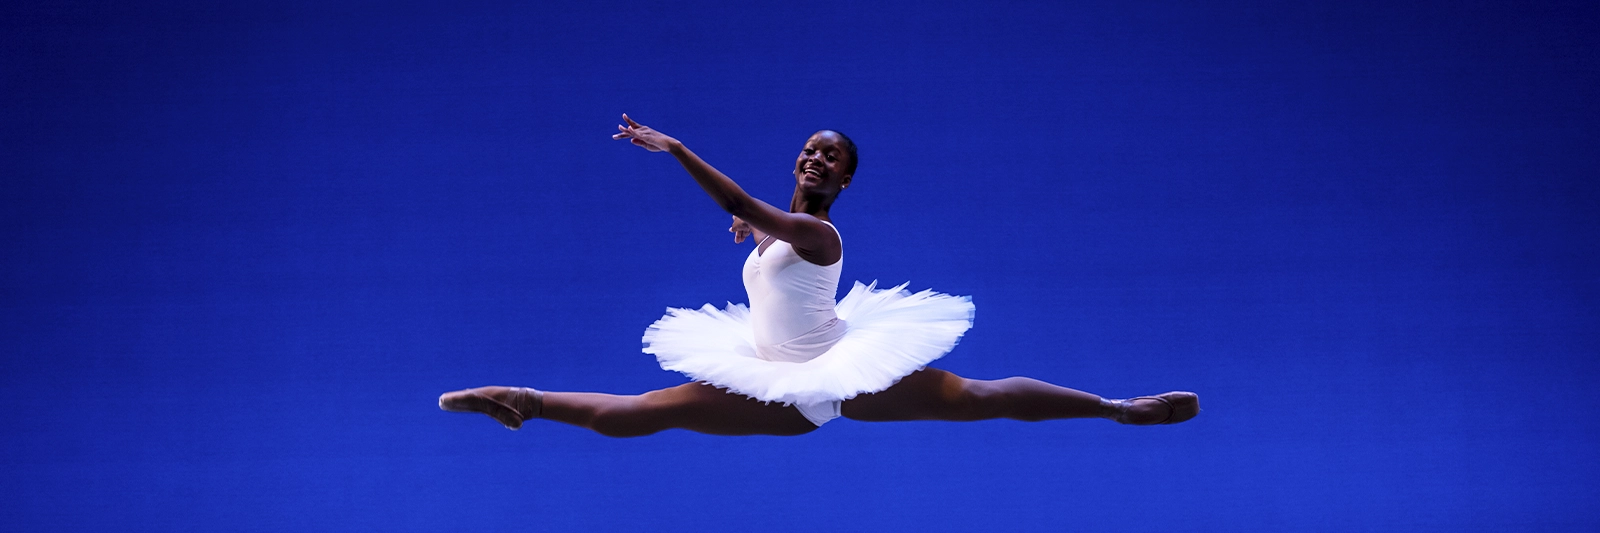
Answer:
(808, 234)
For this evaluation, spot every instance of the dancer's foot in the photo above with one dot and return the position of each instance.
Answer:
(1169, 408)
(508, 405)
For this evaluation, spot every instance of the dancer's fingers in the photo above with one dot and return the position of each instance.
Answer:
(630, 121)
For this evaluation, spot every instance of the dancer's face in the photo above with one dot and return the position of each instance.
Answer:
(820, 169)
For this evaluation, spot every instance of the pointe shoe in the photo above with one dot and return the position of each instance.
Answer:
(508, 405)
(1181, 406)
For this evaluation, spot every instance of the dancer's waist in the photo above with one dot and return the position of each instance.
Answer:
(803, 347)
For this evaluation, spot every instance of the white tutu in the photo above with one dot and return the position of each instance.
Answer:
(889, 334)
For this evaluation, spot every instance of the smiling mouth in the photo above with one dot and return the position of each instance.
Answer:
(812, 172)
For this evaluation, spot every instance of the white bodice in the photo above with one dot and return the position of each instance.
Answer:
(791, 303)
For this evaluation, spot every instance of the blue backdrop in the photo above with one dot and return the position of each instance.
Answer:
(246, 247)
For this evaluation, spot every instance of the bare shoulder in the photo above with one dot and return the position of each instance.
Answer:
(819, 241)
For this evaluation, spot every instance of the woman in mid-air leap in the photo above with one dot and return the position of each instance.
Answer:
(794, 359)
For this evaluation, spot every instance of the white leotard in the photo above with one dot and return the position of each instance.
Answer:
(792, 303)
(793, 344)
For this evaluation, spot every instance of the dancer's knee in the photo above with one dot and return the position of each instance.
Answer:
(626, 419)
(978, 400)
(1010, 398)
(933, 395)
(961, 399)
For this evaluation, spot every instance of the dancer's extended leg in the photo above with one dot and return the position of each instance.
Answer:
(692, 406)
(933, 394)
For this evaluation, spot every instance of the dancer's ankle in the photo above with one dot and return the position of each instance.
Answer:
(534, 407)
(1115, 410)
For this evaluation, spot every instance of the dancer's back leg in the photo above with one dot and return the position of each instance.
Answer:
(933, 394)
(692, 406)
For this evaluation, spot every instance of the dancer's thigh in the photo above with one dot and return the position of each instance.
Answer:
(928, 394)
(707, 409)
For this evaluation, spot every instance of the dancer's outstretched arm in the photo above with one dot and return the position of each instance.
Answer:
(810, 236)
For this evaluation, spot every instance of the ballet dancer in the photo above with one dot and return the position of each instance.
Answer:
(794, 359)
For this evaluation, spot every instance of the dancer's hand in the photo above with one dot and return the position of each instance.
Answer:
(742, 229)
(642, 135)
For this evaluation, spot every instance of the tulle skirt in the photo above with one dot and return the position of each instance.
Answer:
(889, 334)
